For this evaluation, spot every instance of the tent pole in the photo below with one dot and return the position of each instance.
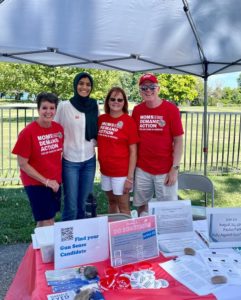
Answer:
(205, 139)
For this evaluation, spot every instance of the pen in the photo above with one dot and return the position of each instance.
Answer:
(202, 237)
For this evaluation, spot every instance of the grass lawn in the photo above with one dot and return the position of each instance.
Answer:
(16, 223)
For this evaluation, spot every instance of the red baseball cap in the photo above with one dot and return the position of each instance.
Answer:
(149, 77)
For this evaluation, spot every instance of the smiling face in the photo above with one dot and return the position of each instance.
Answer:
(149, 92)
(116, 103)
(46, 111)
(84, 87)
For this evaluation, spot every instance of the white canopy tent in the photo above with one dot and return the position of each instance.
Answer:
(194, 37)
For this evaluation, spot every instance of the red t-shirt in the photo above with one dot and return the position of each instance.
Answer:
(43, 147)
(157, 127)
(114, 137)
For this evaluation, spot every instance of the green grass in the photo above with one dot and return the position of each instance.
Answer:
(227, 192)
(16, 222)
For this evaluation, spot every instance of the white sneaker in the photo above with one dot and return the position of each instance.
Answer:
(134, 214)
(144, 214)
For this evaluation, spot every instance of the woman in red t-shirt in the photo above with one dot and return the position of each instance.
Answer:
(117, 150)
(39, 152)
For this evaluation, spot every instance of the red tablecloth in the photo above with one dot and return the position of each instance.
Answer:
(30, 283)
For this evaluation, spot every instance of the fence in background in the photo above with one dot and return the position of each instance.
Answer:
(224, 141)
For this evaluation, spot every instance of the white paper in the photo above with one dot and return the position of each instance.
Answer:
(69, 295)
(224, 227)
(228, 292)
(191, 272)
(226, 263)
(174, 226)
(80, 242)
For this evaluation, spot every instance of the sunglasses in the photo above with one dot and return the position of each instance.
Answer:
(151, 87)
(116, 99)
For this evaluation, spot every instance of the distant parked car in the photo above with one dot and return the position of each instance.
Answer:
(101, 101)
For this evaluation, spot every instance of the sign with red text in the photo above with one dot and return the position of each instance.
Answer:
(133, 240)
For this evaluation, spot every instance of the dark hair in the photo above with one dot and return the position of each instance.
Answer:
(116, 90)
(50, 97)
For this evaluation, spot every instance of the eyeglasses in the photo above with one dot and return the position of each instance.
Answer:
(151, 87)
(116, 99)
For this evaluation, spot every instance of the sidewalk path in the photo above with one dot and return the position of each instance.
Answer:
(10, 258)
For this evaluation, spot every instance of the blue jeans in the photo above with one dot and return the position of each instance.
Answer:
(78, 178)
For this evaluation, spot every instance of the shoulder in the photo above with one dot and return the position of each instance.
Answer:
(94, 103)
(169, 104)
(28, 130)
(170, 109)
(63, 105)
(138, 108)
(103, 117)
(56, 125)
(30, 127)
(128, 118)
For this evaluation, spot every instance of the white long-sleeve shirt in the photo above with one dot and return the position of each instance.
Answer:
(76, 147)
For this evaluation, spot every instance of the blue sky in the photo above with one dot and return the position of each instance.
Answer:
(224, 80)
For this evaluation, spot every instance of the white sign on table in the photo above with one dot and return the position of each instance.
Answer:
(133, 240)
(174, 226)
(80, 242)
(224, 227)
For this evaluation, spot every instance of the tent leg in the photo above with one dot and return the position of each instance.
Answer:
(205, 136)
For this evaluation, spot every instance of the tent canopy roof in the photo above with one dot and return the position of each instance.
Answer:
(164, 36)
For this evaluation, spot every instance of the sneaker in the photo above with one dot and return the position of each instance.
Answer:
(144, 214)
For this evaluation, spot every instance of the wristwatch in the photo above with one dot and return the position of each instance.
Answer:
(176, 167)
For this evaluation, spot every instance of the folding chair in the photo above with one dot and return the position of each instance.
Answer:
(116, 217)
(201, 183)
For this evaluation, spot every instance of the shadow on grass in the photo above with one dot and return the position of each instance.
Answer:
(232, 183)
(17, 224)
(16, 221)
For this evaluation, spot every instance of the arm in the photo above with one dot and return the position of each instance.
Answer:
(132, 164)
(28, 169)
(177, 155)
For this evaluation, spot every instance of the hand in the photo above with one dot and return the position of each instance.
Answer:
(53, 184)
(171, 177)
(127, 187)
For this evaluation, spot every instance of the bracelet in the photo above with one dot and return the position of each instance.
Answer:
(47, 181)
(129, 180)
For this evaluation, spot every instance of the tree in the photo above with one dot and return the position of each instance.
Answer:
(215, 95)
(103, 82)
(239, 81)
(18, 78)
(179, 88)
(11, 79)
(231, 96)
(129, 82)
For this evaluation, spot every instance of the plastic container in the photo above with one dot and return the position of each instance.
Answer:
(47, 253)
(45, 240)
